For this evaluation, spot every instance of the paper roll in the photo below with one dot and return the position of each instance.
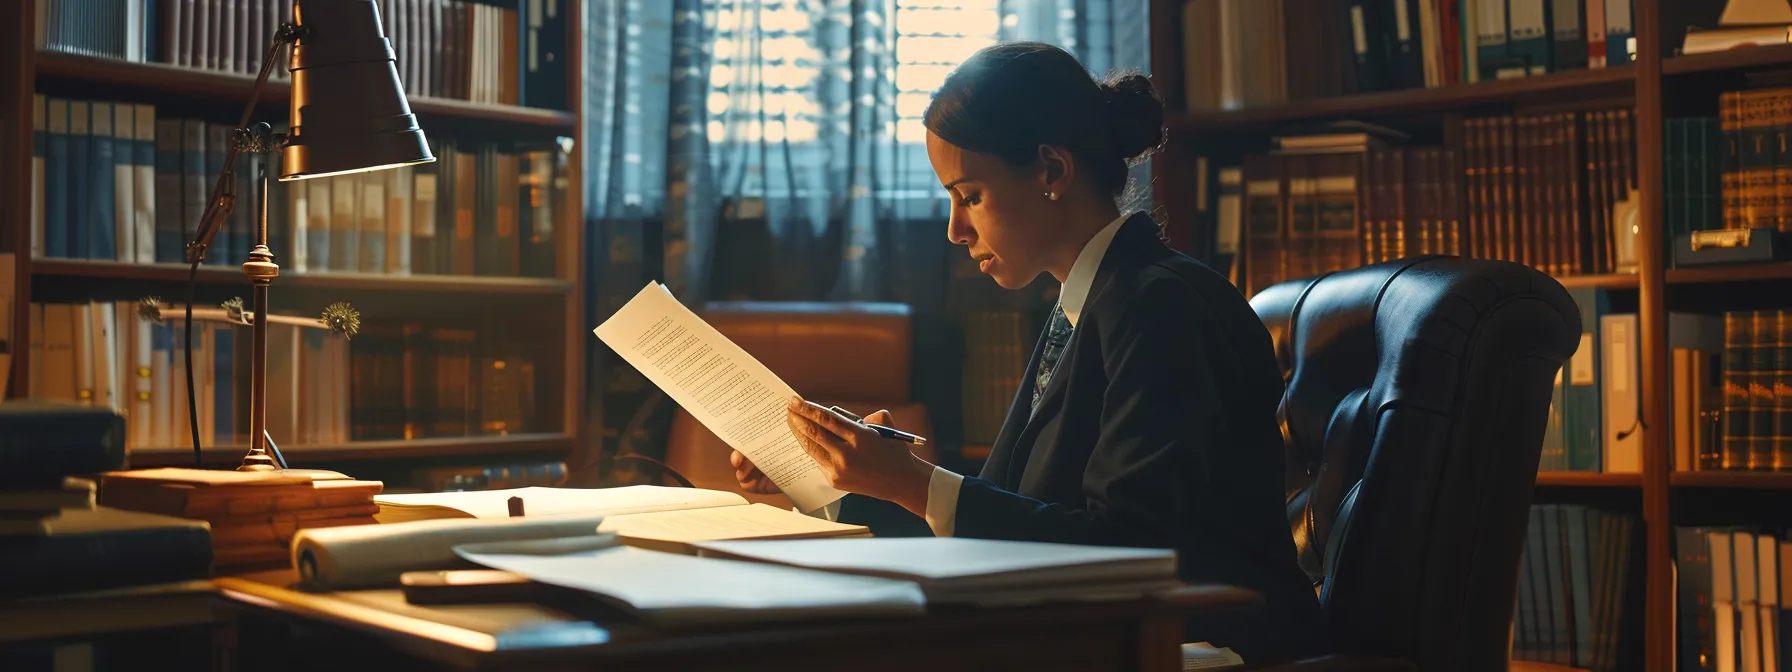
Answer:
(364, 556)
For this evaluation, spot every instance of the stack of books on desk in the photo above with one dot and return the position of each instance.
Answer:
(253, 515)
(54, 538)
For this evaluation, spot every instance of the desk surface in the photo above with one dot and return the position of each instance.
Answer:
(1134, 634)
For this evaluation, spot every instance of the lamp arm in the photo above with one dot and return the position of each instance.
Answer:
(223, 198)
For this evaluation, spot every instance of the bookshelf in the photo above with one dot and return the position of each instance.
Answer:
(536, 309)
(1657, 86)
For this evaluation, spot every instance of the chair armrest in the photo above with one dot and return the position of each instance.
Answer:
(1339, 663)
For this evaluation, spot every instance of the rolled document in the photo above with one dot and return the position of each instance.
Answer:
(364, 556)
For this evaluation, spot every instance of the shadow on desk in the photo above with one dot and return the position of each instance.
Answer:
(280, 628)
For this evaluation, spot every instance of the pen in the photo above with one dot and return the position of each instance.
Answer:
(886, 432)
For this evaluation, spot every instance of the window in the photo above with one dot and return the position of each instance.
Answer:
(766, 79)
(932, 38)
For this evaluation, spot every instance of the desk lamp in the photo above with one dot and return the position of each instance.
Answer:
(348, 115)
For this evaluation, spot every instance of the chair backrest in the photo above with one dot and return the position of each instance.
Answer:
(1417, 394)
(855, 355)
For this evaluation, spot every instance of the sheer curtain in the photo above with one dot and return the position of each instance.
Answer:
(773, 150)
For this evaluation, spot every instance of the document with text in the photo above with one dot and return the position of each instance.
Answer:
(720, 385)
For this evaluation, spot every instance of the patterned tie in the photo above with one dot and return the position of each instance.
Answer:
(1057, 334)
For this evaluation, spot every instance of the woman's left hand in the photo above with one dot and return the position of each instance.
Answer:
(856, 459)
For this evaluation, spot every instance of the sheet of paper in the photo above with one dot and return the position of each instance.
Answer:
(672, 588)
(734, 522)
(720, 385)
(539, 501)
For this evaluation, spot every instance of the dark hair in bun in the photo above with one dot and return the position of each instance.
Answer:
(1010, 98)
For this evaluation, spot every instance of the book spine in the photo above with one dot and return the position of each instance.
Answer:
(144, 185)
(1782, 391)
(124, 177)
(1738, 355)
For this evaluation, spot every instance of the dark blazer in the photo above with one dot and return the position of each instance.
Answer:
(1157, 429)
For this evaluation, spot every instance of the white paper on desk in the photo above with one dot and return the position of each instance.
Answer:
(669, 588)
(720, 385)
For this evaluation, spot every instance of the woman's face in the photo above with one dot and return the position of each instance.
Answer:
(1000, 213)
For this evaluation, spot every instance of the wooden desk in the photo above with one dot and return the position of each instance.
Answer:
(379, 629)
(178, 625)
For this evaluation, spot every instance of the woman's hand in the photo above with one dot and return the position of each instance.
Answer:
(854, 458)
(753, 480)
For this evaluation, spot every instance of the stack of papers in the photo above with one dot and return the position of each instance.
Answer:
(670, 588)
(974, 571)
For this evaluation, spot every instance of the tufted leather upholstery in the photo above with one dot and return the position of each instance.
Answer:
(853, 355)
(1413, 421)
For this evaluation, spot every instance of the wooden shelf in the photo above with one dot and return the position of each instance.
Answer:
(1734, 59)
(1732, 479)
(1736, 273)
(1406, 101)
(167, 80)
(1587, 479)
(365, 450)
(1606, 280)
(341, 281)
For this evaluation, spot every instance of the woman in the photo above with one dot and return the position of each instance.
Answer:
(1147, 416)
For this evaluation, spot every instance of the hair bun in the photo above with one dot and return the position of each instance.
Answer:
(1135, 115)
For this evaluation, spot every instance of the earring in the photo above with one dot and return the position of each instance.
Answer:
(1051, 195)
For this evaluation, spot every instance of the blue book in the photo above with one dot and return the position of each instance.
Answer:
(80, 178)
(102, 166)
(1618, 31)
(56, 163)
(1528, 38)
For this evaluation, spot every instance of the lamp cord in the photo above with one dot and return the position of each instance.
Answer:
(192, 397)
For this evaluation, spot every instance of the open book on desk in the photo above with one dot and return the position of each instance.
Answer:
(419, 531)
(731, 393)
(649, 516)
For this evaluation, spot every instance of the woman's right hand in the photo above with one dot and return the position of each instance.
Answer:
(750, 477)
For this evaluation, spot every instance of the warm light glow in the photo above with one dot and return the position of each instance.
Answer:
(308, 176)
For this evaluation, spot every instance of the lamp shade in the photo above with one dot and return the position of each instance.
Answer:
(349, 112)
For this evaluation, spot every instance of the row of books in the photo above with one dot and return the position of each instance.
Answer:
(1246, 53)
(415, 381)
(391, 383)
(1757, 393)
(114, 181)
(1732, 597)
(1730, 392)
(460, 49)
(1580, 589)
(101, 354)
(997, 344)
(1756, 179)
(1553, 191)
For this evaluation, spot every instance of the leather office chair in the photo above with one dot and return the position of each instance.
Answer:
(1413, 420)
(854, 355)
